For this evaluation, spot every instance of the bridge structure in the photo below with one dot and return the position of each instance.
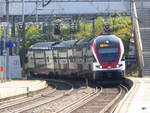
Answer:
(33, 10)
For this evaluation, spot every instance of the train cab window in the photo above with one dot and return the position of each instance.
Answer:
(108, 54)
(108, 50)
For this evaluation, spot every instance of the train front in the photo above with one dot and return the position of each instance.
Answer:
(108, 51)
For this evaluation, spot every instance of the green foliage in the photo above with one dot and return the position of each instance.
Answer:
(65, 30)
(123, 29)
(84, 32)
(119, 25)
(1, 32)
(99, 25)
(33, 34)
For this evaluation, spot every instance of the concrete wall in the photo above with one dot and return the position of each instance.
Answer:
(19, 87)
(14, 66)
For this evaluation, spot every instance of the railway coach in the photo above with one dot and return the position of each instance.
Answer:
(94, 58)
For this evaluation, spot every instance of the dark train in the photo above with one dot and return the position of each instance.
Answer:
(94, 58)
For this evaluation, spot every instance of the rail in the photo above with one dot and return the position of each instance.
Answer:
(139, 47)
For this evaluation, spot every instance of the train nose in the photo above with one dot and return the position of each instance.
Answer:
(109, 65)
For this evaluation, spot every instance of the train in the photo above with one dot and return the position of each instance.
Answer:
(93, 58)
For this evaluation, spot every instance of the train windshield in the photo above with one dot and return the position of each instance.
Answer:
(108, 54)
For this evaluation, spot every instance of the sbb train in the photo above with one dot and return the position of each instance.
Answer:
(94, 58)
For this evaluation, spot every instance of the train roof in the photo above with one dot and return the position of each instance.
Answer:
(112, 38)
(43, 45)
(69, 43)
(52, 45)
(104, 37)
(72, 43)
(83, 42)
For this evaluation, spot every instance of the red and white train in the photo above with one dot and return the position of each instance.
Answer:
(95, 58)
(108, 51)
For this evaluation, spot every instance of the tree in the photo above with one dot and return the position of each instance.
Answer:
(1, 32)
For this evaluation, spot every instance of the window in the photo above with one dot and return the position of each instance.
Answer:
(108, 54)
(107, 50)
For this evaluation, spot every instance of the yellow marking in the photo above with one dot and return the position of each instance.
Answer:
(103, 45)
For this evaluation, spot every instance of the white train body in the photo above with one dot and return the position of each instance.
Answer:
(70, 58)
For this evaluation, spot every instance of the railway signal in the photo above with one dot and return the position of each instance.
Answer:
(106, 27)
(57, 29)
(20, 27)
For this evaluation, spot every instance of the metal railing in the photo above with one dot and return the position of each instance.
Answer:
(137, 35)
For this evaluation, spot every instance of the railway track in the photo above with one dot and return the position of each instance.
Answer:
(79, 92)
(69, 97)
(104, 102)
(35, 101)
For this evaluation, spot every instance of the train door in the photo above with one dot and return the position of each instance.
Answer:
(39, 59)
(30, 56)
(49, 59)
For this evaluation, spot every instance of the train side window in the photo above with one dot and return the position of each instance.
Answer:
(85, 58)
(90, 67)
(80, 67)
(48, 58)
(65, 66)
(71, 59)
(55, 60)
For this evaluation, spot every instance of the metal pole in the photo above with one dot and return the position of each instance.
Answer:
(93, 27)
(4, 54)
(23, 36)
(13, 33)
(86, 82)
(84, 26)
(22, 10)
(78, 25)
(36, 11)
(17, 40)
(6, 39)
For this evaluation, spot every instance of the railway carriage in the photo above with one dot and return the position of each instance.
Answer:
(93, 58)
(108, 51)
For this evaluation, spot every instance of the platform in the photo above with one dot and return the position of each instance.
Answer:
(137, 99)
(19, 87)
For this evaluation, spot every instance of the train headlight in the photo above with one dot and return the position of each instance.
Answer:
(118, 65)
(109, 67)
(99, 66)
